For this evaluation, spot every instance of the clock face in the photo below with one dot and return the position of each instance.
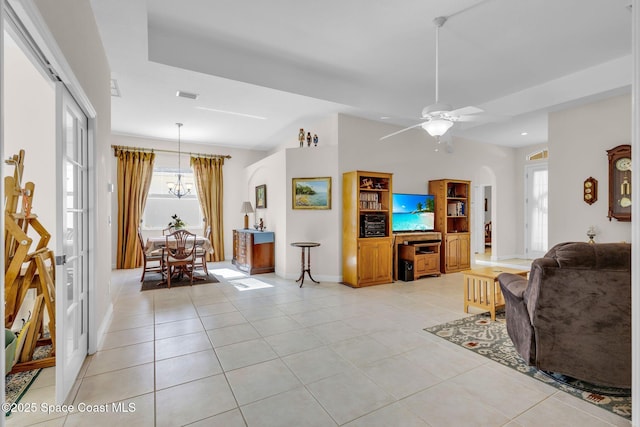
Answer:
(625, 202)
(623, 164)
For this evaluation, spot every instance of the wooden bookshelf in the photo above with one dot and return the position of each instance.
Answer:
(452, 219)
(366, 228)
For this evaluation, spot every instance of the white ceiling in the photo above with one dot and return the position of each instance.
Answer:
(293, 62)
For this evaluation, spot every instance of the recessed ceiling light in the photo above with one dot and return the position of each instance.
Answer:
(188, 95)
(524, 133)
(251, 116)
(385, 118)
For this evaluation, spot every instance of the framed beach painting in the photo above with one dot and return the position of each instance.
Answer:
(311, 193)
(261, 196)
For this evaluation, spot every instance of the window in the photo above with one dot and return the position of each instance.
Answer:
(161, 204)
(539, 155)
(536, 209)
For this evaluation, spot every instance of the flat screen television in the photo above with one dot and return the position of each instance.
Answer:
(413, 213)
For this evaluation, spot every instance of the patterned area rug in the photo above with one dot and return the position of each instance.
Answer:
(154, 281)
(490, 339)
(16, 385)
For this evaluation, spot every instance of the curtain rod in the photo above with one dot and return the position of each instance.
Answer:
(157, 150)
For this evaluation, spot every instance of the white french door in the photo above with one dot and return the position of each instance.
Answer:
(536, 210)
(72, 275)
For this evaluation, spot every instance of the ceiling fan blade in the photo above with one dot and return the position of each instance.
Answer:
(400, 131)
(479, 118)
(466, 111)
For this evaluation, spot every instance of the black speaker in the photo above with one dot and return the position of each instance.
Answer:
(405, 270)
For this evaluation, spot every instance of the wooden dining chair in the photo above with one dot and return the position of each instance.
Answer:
(167, 230)
(201, 253)
(149, 259)
(180, 251)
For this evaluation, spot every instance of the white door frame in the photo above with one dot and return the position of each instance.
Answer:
(478, 219)
(2, 171)
(72, 270)
(40, 35)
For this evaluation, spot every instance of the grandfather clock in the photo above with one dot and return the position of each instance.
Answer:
(620, 183)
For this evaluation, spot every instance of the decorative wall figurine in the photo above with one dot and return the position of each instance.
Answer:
(315, 140)
(301, 137)
(308, 139)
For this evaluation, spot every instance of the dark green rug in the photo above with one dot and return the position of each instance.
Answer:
(155, 281)
(490, 339)
(16, 385)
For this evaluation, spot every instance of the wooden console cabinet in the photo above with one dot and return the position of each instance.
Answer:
(425, 258)
(253, 251)
(452, 219)
(430, 238)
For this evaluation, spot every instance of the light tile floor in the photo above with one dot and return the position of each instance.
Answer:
(260, 351)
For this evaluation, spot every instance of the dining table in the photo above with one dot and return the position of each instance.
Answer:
(156, 243)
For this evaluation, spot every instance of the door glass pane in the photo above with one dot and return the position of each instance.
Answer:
(69, 276)
(72, 201)
(71, 336)
(70, 242)
(70, 136)
(539, 210)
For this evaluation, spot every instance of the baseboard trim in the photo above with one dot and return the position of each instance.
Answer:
(104, 327)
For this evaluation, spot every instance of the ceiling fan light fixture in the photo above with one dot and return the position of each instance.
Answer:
(437, 127)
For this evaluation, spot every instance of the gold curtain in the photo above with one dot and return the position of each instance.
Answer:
(135, 169)
(208, 179)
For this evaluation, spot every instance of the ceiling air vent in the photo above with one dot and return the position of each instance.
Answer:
(187, 94)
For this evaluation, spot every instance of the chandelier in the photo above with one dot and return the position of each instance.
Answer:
(178, 188)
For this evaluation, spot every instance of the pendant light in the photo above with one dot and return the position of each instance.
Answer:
(178, 188)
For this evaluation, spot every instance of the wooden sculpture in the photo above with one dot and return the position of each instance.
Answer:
(26, 270)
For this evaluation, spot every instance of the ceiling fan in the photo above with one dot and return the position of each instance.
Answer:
(439, 117)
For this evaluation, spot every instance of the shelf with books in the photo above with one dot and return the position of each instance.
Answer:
(452, 219)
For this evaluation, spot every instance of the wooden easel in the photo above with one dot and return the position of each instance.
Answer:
(25, 270)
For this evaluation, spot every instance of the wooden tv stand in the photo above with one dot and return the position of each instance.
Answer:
(423, 249)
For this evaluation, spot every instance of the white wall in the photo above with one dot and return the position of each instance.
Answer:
(411, 158)
(308, 225)
(289, 225)
(235, 189)
(578, 140)
(30, 98)
(326, 128)
(270, 171)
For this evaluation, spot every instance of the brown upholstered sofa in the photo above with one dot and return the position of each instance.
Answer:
(573, 315)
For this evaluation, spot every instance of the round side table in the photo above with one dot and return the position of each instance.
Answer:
(306, 246)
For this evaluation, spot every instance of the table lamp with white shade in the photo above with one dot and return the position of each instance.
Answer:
(246, 209)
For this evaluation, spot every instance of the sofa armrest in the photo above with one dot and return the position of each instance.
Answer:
(513, 284)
